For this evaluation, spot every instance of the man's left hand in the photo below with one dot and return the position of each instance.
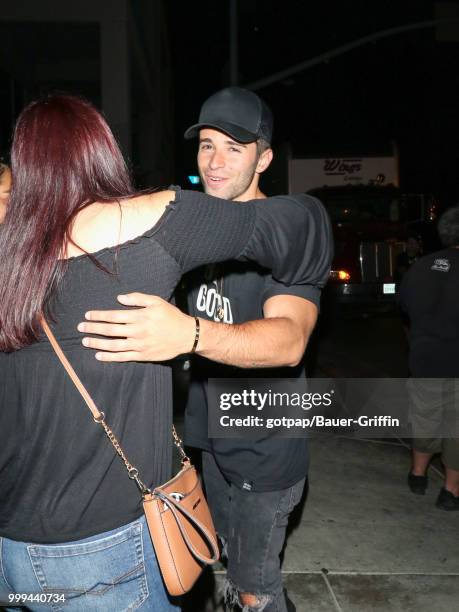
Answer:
(154, 331)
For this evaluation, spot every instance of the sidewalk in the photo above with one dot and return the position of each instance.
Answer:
(364, 542)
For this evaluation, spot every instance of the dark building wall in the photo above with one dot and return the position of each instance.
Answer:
(102, 51)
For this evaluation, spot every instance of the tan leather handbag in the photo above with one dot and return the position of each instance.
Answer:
(181, 529)
(177, 513)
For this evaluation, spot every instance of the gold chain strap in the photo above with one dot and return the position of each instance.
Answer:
(99, 416)
(133, 472)
(179, 444)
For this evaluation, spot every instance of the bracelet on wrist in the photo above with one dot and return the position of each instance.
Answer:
(196, 335)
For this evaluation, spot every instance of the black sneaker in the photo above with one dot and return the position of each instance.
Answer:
(447, 501)
(417, 484)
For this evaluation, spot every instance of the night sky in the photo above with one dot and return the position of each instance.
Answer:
(403, 89)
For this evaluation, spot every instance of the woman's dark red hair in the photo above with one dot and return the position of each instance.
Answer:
(64, 157)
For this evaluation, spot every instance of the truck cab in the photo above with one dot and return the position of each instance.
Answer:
(372, 225)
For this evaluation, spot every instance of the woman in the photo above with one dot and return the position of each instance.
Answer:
(5, 186)
(75, 236)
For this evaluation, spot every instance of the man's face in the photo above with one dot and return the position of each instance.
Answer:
(5, 186)
(227, 167)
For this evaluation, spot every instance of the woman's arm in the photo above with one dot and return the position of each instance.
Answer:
(289, 235)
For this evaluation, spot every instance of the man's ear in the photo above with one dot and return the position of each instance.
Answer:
(264, 160)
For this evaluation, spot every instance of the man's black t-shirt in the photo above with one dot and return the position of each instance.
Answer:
(270, 463)
(430, 295)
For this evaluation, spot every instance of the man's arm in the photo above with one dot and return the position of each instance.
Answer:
(279, 339)
(158, 331)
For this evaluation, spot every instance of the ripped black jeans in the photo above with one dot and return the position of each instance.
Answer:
(252, 526)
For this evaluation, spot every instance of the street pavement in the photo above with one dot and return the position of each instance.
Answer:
(361, 541)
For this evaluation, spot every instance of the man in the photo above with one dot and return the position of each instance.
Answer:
(247, 320)
(429, 295)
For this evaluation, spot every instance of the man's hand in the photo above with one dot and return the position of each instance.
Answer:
(158, 331)
(155, 331)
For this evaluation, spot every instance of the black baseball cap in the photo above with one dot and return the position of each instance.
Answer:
(238, 112)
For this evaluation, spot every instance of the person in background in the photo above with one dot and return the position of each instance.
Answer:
(5, 188)
(412, 252)
(429, 296)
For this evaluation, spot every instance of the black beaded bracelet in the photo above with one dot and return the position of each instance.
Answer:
(196, 335)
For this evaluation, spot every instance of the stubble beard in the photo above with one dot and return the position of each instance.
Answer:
(235, 190)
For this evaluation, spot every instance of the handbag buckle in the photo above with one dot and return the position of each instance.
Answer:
(134, 475)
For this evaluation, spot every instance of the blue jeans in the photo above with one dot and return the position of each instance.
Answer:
(252, 527)
(112, 571)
